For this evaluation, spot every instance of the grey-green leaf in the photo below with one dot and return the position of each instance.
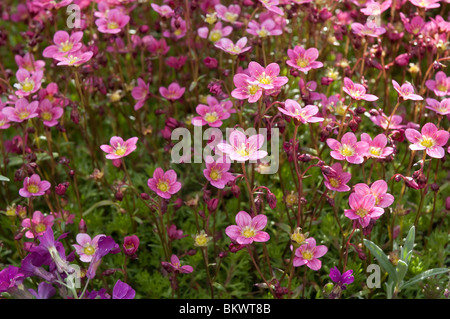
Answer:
(402, 267)
(424, 275)
(382, 259)
(409, 244)
(4, 178)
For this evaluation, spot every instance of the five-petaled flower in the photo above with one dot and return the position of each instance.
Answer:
(119, 148)
(308, 254)
(248, 229)
(429, 139)
(33, 186)
(164, 183)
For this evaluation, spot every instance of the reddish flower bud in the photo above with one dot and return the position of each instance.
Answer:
(130, 245)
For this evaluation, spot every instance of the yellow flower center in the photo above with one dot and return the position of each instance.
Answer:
(215, 174)
(264, 79)
(177, 32)
(248, 232)
(263, 33)
(307, 254)
(243, 151)
(361, 212)
(211, 18)
(252, 89)
(334, 182)
(232, 17)
(441, 87)
(46, 116)
(375, 151)
(301, 62)
(215, 35)
(427, 142)
(33, 188)
(211, 117)
(40, 228)
(27, 86)
(163, 186)
(113, 25)
(66, 46)
(89, 250)
(347, 151)
(73, 59)
(291, 199)
(340, 108)
(23, 115)
(201, 239)
(120, 150)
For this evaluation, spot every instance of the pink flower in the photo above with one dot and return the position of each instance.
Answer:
(430, 139)
(244, 89)
(308, 254)
(378, 189)
(86, 246)
(154, 46)
(49, 113)
(271, 5)
(178, 26)
(21, 111)
(248, 229)
(336, 179)
(4, 122)
(230, 14)
(228, 46)
(217, 172)
(63, 44)
(348, 149)
(119, 148)
(441, 85)
(113, 23)
(38, 224)
(33, 186)
(374, 8)
(164, 183)
(442, 108)
(414, 26)
(130, 245)
(369, 29)
(211, 115)
(164, 11)
(75, 59)
(382, 121)
(28, 83)
(303, 115)
(303, 60)
(140, 93)
(28, 63)
(175, 266)
(216, 33)
(363, 209)
(426, 4)
(243, 149)
(173, 92)
(357, 91)
(406, 91)
(267, 28)
(377, 146)
(267, 78)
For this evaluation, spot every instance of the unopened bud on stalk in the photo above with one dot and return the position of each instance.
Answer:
(271, 200)
(82, 227)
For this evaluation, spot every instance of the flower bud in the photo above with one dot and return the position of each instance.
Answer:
(271, 200)
(82, 227)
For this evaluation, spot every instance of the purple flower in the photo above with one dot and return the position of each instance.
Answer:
(44, 291)
(122, 290)
(10, 277)
(50, 252)
(105, 245)
(341, 279)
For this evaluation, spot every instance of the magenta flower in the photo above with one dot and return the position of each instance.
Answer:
(348, 149)
(178, 26)
(21, 111)
(369, 29)
(426, 4)
(119, 148)
(130, 245)
(248, 229)
(216, 172)
(303, 60)
(28, 83)
(303, 115)
(44, 291)
(308, 254)
(216, 33)
(122, 290)
(229, 14)
(113, 22)
(244, 89)
(228, 46)
(75, 59)
(28, 63)
(377, 146)
(430, 139)
(341, 279)
(86, 246)
(211, 115)
(38, 224)
(10, 278)
(164, 11)
(363, 209)
(175, 266)
(357, 91)
(382, 120)
(406, 91)
(173, 92)
(49, 114)
(242, 148)
(378, 189)
(164, 183)
(140, 93)
(336, 179)
(267, 28)
(440, 85)
(442, 108)
(33, 186)
(267, 78)
(414, 26)
(63, 44)
(4, 122)
(271, 5)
